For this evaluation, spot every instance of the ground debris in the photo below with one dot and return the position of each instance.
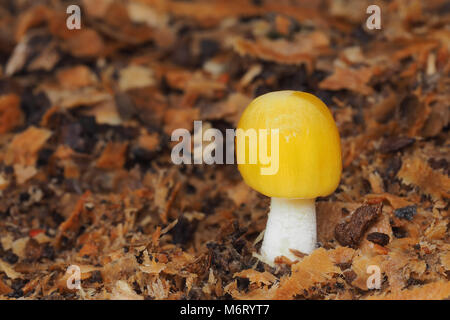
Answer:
(350, 233)
(379, 238)
(86, 176)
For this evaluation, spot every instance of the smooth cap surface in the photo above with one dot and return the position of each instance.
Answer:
(309, 152)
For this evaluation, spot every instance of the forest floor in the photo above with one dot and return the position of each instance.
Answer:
(86, 177)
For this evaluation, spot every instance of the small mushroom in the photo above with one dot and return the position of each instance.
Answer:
(310, 165)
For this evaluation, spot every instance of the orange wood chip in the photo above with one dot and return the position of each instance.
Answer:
(376, 183)
(11, 115)
(113, 156)
(256, 276)
(395, 201)
(417, 172)
(283, 24)
(315, 268)
(4, 289)
(24, 148)
(176, 78)
(72, 221)
(263, 293)
(342, 255)
(360, 266)
(89, 249)
(445, 260)
(96, 9)
(76, 77)
(432, 291)
(437, 231)
(85, 43)
(149, 141)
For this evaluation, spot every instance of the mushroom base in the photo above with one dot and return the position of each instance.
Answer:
(291, 225)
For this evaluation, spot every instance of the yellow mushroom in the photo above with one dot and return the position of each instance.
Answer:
(309, 165)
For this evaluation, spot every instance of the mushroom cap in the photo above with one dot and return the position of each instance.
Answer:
(309, 163)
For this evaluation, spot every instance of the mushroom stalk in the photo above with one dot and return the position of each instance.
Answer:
(291, 225)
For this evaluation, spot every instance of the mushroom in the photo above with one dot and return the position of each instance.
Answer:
(310, 165)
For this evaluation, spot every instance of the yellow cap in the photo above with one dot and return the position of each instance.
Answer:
(309, 151)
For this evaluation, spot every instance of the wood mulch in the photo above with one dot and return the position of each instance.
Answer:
(86, 176)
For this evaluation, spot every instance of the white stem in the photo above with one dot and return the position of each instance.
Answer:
(291, 225)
